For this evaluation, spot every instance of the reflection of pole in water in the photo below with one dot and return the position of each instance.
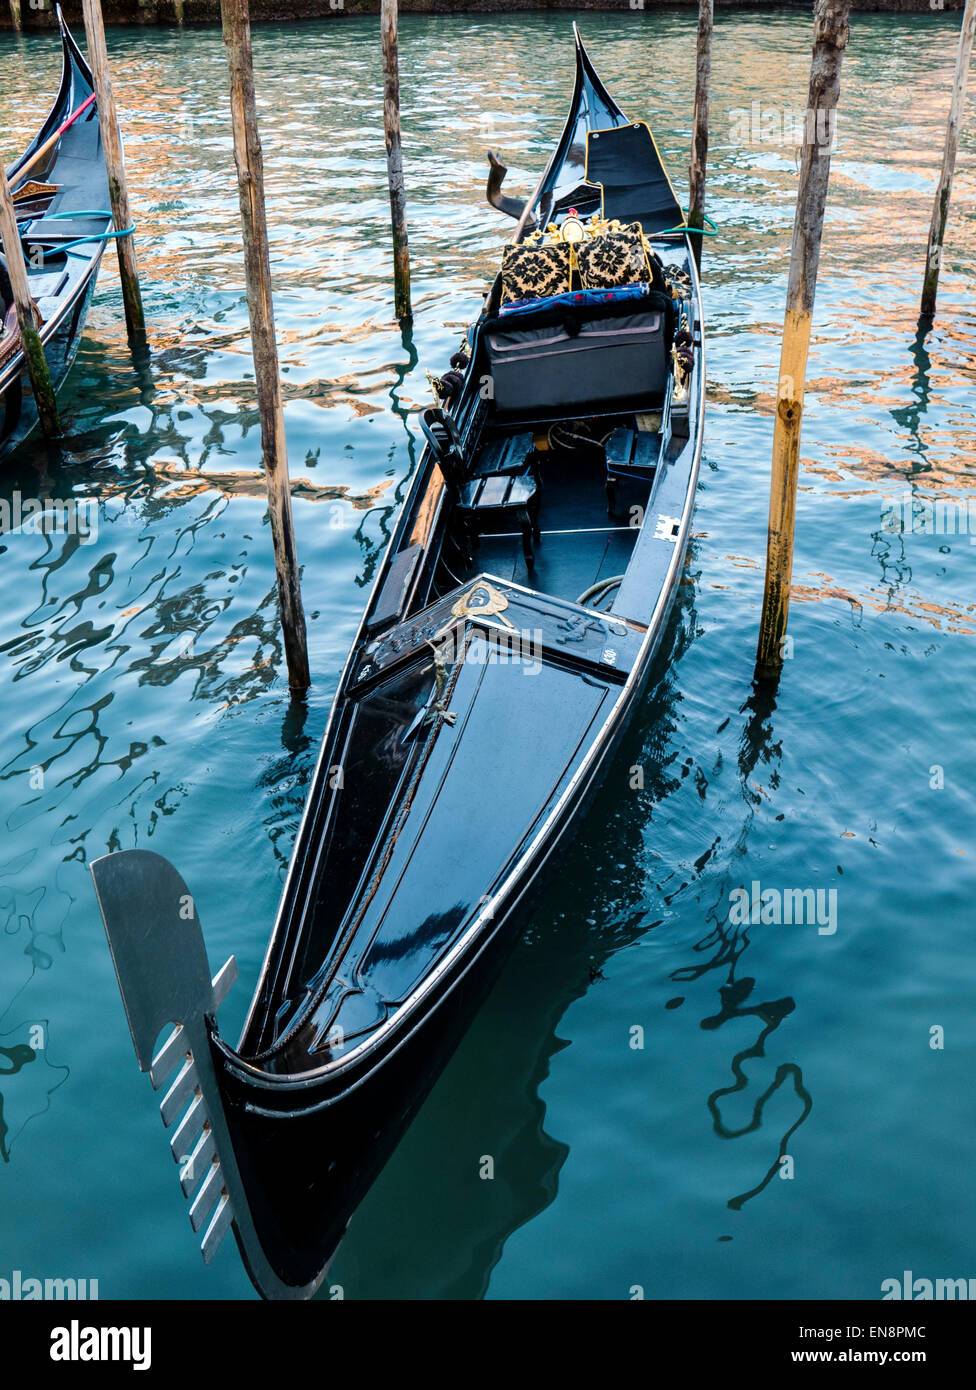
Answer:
(372, 550)
(772, 1014)
(725, 943)
(889, 540)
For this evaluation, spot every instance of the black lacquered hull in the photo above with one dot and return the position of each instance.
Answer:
(310, 1150)
(309, 1158)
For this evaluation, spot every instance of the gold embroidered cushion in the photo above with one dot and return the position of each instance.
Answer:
(534, 272)
(614, 259)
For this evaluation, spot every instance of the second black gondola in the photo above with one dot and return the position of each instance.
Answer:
(61, 201)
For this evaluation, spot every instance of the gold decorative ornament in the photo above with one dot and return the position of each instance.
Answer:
(573, 230)
(483, 600)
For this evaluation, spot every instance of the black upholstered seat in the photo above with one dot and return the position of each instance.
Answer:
(483, 500)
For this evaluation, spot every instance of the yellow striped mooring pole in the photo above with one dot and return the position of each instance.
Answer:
(830, 35)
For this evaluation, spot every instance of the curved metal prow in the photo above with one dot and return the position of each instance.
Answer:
(160, 960)
(511, 207)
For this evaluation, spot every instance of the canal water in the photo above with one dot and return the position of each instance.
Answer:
(674, 1100)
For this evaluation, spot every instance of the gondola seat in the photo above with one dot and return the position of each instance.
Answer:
(505, 455)
(595, 359)
(484, 500)
(630, 454)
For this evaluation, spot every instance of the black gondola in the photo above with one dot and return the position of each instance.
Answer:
(510, 631)
(61, 201)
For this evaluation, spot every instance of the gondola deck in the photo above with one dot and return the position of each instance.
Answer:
(510, 632)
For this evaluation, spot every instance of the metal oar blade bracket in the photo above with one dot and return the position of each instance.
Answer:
(160, 960)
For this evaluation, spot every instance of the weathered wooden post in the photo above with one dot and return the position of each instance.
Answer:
(699, 144)
(30, 338)
(257, 264)
(830, 36)
(940, 213)
(394, 160)
(135, 317)
(15, 15)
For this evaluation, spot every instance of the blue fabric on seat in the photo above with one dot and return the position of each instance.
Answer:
(576, 299)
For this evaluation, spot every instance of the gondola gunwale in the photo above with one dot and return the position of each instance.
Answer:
(400, 1019)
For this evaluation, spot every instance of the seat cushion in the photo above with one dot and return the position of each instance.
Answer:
(614, 259)
(535, 271)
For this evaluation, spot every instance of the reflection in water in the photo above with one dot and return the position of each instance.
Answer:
(12, 1060)
(31, 1095)
(910, 416)
(373, 550)
(771, 1014)
(725, 945)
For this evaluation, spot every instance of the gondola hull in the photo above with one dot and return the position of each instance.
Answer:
(62, 269)
(478, 713)
(18, 412)
(314, 1149)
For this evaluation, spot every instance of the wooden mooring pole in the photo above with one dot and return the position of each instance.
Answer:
(830, 36)
(940, 213)
(699, 144)
(15, 15)
(235, 16)
(135, 317)
(30, 338)
(394, 160)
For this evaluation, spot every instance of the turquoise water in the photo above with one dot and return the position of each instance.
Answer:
(142, 700)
